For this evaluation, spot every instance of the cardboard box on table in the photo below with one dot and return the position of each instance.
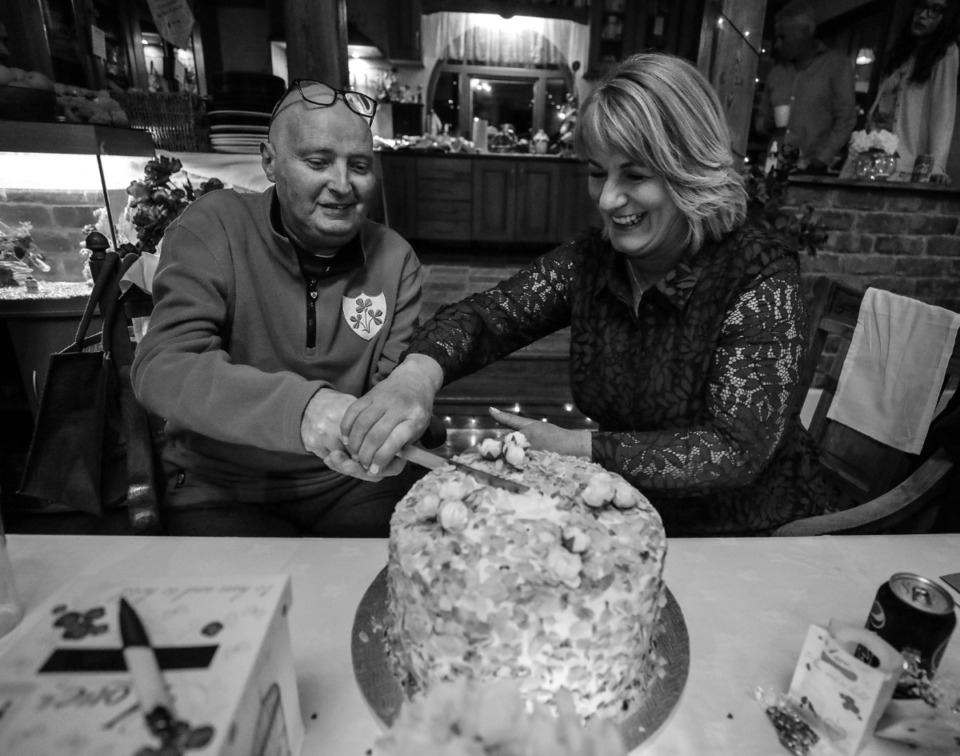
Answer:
(223, 646)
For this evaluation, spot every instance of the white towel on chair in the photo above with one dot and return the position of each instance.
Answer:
(891, 378)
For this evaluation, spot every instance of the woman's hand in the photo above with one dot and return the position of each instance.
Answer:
(546, 436)
(940, 178)
(391, 415)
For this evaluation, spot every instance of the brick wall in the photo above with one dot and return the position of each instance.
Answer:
(58, 218)
(899, 237)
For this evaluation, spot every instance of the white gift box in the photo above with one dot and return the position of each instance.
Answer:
(223, 646)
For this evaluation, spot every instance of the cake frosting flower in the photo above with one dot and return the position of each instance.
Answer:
(453, 515)
(565, 566)
(427, 506)
(601, 489)
(490, 448)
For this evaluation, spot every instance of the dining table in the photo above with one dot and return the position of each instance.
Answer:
(747, 604)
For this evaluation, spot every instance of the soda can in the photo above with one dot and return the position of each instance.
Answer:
(922, 167)
(915, 616)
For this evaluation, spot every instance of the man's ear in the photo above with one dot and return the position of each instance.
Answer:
(268, 159)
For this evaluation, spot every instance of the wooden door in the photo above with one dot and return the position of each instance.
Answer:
(444, 198)
(398, 188)
(538, 190)
(495, 193)
(575, 210)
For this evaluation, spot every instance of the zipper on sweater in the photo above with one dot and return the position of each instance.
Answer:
(311, 312)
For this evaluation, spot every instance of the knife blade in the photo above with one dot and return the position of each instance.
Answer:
(432, 461)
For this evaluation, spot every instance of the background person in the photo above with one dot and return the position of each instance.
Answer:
(917, 97)
(817, 84)
(687, 326)
(272, 312)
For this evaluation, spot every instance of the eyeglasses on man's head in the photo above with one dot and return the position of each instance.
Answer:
(323, 95)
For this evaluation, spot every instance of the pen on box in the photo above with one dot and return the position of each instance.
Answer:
(155, 700)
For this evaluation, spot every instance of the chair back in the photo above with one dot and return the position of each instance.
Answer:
(856, 468)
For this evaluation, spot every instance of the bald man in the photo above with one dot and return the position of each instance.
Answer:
(272, 312)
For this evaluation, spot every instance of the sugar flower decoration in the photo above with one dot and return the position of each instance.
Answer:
(601, 489)
(453, 515)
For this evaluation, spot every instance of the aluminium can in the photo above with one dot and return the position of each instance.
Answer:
(922, 168)
(915, 616)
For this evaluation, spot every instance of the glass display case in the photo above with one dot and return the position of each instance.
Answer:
(57, 178)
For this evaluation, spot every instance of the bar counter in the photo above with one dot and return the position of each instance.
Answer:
(747, 605)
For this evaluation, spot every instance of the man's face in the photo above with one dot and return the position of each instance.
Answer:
(321, 159)
(791, 39)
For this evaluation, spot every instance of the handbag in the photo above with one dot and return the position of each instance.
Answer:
(92, 447)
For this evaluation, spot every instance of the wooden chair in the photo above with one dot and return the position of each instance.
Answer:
(877, 489)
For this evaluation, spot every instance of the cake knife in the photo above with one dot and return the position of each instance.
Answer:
(432, 461)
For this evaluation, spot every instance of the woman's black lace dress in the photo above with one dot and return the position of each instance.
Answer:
(695, 390)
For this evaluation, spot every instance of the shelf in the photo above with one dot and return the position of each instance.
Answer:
(74, 139)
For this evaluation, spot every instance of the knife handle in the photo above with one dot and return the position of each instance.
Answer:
(421, 457)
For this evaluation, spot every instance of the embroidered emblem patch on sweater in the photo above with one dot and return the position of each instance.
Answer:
(365, 314)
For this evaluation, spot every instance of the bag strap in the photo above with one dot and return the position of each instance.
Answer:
(142, 500)
(96, 296)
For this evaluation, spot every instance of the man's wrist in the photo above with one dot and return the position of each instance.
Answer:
(425, 368)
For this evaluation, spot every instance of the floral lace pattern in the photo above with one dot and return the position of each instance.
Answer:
(695, 391)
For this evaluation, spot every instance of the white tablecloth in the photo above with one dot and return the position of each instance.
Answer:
(747, 604)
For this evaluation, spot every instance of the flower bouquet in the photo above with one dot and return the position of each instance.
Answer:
(873, 154)
(152, 204)
(877, 141)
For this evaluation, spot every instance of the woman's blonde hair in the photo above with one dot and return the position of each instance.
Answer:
(661, 112)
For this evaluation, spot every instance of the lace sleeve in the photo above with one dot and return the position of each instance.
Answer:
(754, 373)
(484, 327)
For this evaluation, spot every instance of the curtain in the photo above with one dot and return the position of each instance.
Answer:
(488, 39)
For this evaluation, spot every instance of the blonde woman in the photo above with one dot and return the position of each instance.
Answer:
(687, 325)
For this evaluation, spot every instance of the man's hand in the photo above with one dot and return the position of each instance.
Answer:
(940, 178)
(546, 436)
(320, 425)
(392, 414)
(341, 462)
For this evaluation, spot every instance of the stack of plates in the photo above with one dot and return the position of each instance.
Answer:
(238, 130)
(240, 111)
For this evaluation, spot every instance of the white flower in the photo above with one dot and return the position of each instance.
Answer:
(578, 540)
(490, 448)
(879, 140)
(600, 490)
(514, 455)
(454, 490)
(426, 508)
(625, 496)
(453, 515)
(565, 566)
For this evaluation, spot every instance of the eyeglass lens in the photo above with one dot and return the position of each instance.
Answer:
(931, 9)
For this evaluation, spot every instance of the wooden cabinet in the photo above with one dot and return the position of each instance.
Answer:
(520, 200)
(486, 199)
(403, 31)
(495, 208)
(619, 28)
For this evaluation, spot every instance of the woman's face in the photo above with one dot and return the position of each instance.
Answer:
(638, 213)
(927, 15)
